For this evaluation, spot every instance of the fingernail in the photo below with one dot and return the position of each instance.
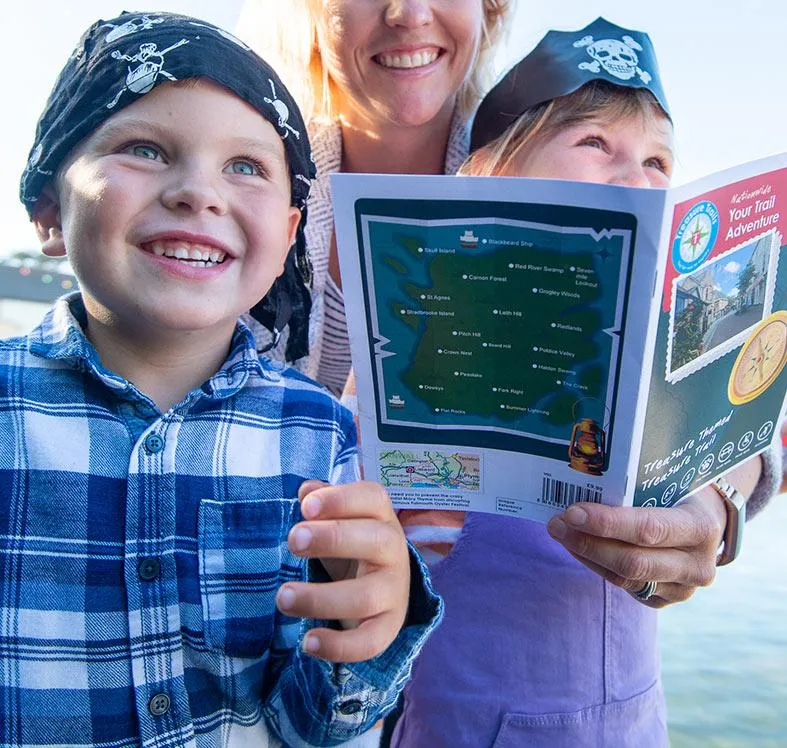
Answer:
(301, 538)
(286, 598)
(311, 644)
(311, 507)
(557, 528)
(576, 516)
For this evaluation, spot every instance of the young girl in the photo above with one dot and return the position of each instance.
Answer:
(549, 643)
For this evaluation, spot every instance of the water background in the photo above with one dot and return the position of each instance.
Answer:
(724, 652)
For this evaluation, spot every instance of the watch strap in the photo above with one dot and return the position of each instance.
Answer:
(735, 505)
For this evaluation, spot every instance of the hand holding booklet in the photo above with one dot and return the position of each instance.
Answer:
(520, 345)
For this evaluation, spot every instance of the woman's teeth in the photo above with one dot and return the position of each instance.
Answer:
(192, 254)
(404, 60)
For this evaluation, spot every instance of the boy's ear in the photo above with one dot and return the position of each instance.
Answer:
(294, 218)
(46, 219)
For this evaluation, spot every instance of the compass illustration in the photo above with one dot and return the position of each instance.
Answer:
(696, 238)
(760, 360)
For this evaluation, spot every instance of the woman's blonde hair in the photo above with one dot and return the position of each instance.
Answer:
(284, 33)
(597, 99)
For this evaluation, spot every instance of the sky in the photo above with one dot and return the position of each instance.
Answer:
(722, 65)
(728, 275)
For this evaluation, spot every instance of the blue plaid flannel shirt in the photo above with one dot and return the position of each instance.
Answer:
(140, 554)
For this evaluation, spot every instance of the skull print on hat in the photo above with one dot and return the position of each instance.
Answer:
(561, 63)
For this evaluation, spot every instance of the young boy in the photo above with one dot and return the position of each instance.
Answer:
(154, 582)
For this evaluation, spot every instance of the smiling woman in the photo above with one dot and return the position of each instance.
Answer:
(403, 71)
(387, 86)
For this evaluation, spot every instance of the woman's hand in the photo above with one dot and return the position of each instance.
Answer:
(675, 547)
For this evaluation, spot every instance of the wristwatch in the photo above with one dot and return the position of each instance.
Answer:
(735, 504)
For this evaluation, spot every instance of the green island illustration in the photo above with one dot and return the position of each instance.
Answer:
(496, 325)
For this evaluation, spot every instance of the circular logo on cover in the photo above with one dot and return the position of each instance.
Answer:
(687, 478)
(726, 451)
(707, 464)
(666, 497)
(695, 237)
(765, 430)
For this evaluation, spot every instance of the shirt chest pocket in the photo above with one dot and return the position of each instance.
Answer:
(243, 560)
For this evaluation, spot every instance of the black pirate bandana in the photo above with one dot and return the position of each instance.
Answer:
(118, 61)
(561, 63)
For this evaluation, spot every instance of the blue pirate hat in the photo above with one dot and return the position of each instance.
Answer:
(561, 63)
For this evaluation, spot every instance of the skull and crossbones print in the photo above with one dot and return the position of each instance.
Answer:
(282, 113)
(151, 65)
(143, 23)
(618, 58)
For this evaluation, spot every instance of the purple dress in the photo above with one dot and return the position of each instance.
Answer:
(535, 650)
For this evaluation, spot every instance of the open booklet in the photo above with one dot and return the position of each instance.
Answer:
(520, 345)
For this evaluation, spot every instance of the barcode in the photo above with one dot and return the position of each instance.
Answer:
(559, 493)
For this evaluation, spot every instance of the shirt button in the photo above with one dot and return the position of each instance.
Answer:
(154, 443)
(159, 704)
(350, 707)
(149, 569)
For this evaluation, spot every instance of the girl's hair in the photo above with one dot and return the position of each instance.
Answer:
(597, 99)
(284, 32)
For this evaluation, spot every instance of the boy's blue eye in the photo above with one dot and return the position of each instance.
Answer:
(146, 151)
(244, 167)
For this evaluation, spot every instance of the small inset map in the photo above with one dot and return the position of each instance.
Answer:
(415, 468)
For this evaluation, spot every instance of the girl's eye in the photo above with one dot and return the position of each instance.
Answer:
(658, 163)
(143, 150)
(594, 141)
(245, 167)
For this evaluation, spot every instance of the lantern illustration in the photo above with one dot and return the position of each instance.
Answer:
(587, 449)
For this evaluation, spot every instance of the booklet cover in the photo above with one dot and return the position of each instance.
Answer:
(520, 345)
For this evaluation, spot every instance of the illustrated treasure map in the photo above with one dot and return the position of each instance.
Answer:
(520, 345)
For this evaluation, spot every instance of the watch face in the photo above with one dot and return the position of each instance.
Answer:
(760, 360)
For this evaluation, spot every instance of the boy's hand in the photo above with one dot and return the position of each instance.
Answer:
(353, 530)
